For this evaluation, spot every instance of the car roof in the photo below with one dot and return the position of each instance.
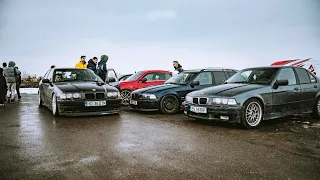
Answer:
(211, 69)
(154, 70)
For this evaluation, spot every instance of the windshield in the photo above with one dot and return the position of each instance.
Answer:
(254, 76)
(134, 76)
(182, 78)
(67, 75)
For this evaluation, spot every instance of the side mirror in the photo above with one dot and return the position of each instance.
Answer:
(143, 79)
(45, 81)
(281, 82)
(111, 79)
(195, 83)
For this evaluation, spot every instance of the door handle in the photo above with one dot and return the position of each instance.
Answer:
(296, 89)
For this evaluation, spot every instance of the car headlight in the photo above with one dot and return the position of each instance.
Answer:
(76, 95)
(149, 96)
(189, 99)
(226, 101)
(70, 95)
(113, 94)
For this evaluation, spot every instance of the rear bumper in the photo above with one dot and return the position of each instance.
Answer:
(77, 108)
(146, 105)
(230, 114)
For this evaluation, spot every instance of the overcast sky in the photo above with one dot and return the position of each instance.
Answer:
(149, 34)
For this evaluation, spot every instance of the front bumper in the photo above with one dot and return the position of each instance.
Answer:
(146, 105)
(230, 114)
(77, 108)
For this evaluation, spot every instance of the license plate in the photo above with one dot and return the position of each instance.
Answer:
(224, 117)
(133, 102)
(95, 103)
(198, 109)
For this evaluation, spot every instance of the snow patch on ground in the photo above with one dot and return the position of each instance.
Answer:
(29, 90)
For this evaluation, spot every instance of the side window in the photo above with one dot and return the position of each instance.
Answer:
(287, 73)
(162, 76)
(47, 74)
(219, 77)
(303, 76)
(231, 73)
(312, 78)
(50, 76)
(205, 78)
(112, 73)
(151, 76)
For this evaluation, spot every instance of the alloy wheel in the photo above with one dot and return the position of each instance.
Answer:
(253, 114)
(168, 103)
(125, 96)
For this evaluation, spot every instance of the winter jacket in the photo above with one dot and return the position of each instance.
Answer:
(81, 65)
(11, 73)
(91, 65)
(179, 69)
(3, 83)
(102, 70)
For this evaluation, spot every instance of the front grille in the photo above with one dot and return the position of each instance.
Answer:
(89, 96)
(203, 101)
(200, 101)
(95, 96)
(195, 100)
(100, 96)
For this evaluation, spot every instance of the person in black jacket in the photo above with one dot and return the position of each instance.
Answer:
(3, 88)
(92, 64)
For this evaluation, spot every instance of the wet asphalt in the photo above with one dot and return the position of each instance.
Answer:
(133, 145)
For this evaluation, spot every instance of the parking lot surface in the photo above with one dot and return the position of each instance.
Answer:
(133, 145)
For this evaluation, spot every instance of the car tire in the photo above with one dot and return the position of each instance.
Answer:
(125, 96)
(252, 115)
(54, 106)
(40, 102)
(169, 104)
(316, 109)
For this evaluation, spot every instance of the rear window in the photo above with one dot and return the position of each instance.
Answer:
(219, 77)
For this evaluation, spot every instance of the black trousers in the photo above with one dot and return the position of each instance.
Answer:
(18, 89)
(2, 94)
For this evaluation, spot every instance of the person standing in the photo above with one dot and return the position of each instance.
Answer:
(102, 67)
(82, 63)
(4, 65)
(177, 67)
(92, 64)
(3, 88)
(11, 79)
(18, 76)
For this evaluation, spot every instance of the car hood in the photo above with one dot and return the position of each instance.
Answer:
(227, 90)
(157, 88)
(81, 86)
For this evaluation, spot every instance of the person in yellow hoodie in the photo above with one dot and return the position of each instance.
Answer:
(82, 63)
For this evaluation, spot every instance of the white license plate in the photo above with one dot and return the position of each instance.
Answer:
(198, 109)
(95, 103)
(224, 117)
(133, 102)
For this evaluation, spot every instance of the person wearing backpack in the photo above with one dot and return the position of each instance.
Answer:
(10, 73)
(102, 70)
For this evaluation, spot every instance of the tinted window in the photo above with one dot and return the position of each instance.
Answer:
(47, 74)
(204, 78)
(312, 78)
(152, 77)
(254, 76)
(219, 77)
(303, 76)
(135, 76)
(181, 78)
(287, 74)
(66, 75)
(231, 73)
(163, 76)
